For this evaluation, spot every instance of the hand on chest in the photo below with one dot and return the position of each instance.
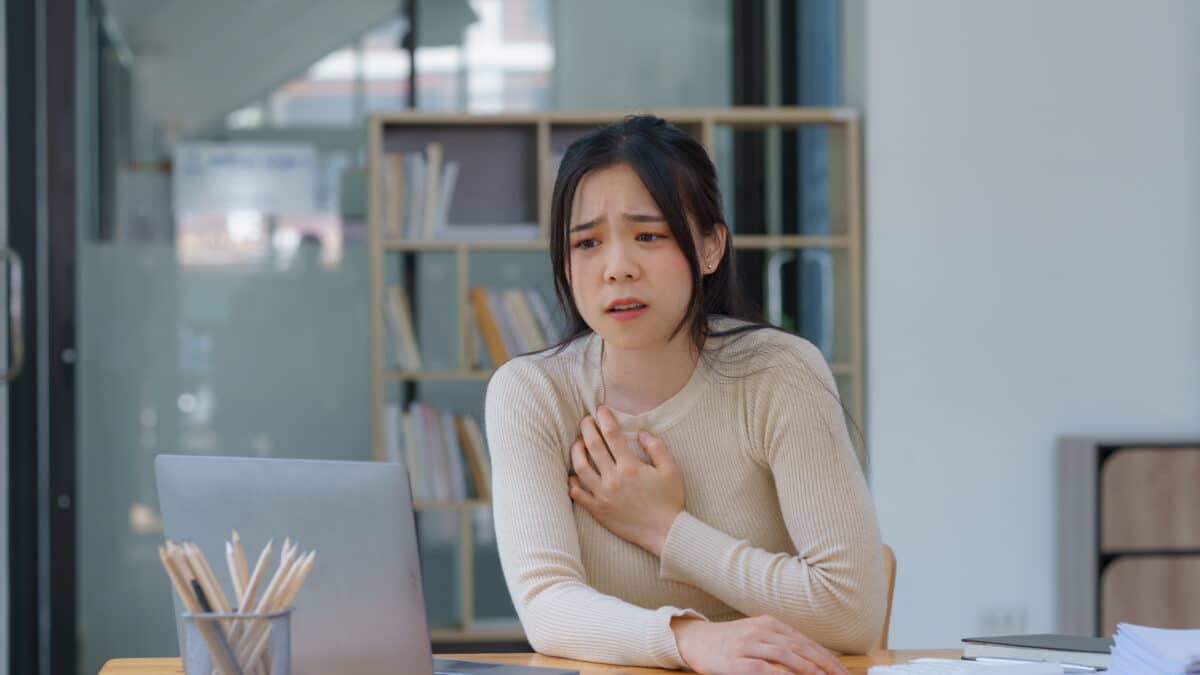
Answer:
(634, 483)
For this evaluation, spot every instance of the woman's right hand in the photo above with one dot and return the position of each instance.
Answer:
(761, 644)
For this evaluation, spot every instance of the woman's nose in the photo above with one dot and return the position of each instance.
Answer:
(621, 263)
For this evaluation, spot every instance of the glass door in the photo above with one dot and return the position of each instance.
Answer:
(222, 277)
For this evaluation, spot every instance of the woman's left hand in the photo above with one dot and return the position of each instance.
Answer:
(634, 500)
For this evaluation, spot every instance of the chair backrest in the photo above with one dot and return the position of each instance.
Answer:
(889, 565)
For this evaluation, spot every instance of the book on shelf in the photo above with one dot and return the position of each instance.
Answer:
(475, 451)
(444, 452)
(393, 431)
(511, 321)
(500, 325)
(489, 329)
(418, 193)
(449, 180)
(528, 332)
(459, 488)
(486, 232)
(393, 206)
(439, 477)
(507, 323)
(398, 313)
(431, 199)
(476, 351)
(538, 304)
(412, 194)
(1066, 649)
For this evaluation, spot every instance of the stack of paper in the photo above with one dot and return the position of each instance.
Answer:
(1162, 651)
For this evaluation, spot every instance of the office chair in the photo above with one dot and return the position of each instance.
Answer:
(889, 564)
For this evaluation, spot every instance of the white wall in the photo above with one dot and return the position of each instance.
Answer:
(1033, 216)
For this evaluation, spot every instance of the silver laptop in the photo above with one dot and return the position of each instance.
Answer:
(361, 610)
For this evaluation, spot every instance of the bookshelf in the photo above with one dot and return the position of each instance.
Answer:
(505, 176)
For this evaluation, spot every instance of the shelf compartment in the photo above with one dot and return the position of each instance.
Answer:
(1153, 591)
(1149, 499)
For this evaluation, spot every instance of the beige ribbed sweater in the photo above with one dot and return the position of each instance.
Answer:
(777, 520)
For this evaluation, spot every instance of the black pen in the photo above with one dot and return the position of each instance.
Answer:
(221, 641)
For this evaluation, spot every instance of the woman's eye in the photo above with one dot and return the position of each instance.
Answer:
(650, 236)
(585, 243)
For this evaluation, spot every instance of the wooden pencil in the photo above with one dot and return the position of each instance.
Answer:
(267, 602)
(208, 580)
(239, 553)
(292, 587)
(180, 575)
(234, 574)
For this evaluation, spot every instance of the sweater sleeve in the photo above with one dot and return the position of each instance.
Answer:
(833, 588)
(538, 543)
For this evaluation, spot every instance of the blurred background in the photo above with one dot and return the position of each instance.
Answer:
(188, 188)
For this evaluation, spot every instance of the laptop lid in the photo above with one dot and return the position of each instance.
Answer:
(361, 610)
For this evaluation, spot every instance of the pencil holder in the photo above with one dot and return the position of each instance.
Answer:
(237, 644)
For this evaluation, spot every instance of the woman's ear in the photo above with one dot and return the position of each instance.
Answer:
(713, 248)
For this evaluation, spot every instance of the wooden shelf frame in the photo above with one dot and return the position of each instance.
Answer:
(740, 242)
(845, 175)
(482, 374)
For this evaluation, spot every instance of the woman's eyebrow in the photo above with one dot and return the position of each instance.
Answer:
(635, 217)
(584, 226)
(644, 218)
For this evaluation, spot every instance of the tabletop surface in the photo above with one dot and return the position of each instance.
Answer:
(858, 665)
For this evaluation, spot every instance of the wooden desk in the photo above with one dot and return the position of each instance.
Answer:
(857, 664)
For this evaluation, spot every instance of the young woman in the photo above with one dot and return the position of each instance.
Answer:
(674, 485)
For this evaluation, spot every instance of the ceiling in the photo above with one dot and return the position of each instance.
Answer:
(194, 61)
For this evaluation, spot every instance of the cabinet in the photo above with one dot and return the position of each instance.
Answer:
(1128, 534)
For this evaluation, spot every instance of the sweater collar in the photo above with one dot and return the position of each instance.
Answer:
(662, 416)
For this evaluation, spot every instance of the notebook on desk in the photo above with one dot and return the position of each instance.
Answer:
(1069, 649)
(362, 611)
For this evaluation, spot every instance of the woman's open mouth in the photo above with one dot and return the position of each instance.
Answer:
(626, 309)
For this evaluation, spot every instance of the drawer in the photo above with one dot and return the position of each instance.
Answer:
(1162, 591)
(1149, 500)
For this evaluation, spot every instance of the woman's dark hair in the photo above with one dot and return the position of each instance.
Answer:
(682, 180)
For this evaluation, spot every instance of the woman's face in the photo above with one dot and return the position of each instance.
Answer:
(629, 277)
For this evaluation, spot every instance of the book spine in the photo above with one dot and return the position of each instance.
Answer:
(449, 179)
(414, 443)
(392, 430)
(542, 313)
(488, 327)
(508, 331)
(431, 454)
(405, 330)
(394, 195)
(479, 480)
(439, 470)
(433, 174)
(415, 191)
(458, 469)
(518, 306)
(480, 452)
(394, 333)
